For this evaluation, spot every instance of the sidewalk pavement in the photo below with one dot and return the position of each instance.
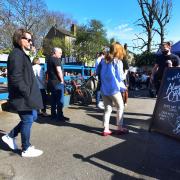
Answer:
(77, 151)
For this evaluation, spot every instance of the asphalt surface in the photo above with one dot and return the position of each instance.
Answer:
(77, 151)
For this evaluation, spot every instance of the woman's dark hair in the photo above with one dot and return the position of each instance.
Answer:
(167, 43)
(18, 34)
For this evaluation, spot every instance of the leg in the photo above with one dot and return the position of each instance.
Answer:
(14, 132)
(43, 94)
(107, 112)
(117, 99)
(27, 118)
(53, 104)
(98, 95)
(60, 100)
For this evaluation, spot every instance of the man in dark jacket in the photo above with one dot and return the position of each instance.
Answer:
(164, 60)
(56, 85)
(24, 94)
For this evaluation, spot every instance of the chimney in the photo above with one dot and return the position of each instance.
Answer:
(73, 29)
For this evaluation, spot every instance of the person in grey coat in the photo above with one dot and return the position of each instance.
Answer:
(24, 93)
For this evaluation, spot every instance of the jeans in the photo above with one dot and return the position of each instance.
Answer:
(24, 127)
(98, 96)
(57, 101)
(44, 97)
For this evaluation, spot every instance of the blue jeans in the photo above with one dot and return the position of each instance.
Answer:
(44, 97)
(24, 127)
(57, 101)
(98, 96)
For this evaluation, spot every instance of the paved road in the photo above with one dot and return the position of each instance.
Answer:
(77, 151)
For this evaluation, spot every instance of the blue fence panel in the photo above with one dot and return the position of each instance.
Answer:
(66, 67)
(3, 80)
(3, 64)
(3, 96)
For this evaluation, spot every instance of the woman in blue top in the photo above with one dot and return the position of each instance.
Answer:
(112, 76)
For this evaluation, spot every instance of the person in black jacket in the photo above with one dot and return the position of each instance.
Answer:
(164, 60)
(24, 93)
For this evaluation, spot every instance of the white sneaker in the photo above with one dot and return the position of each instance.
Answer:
(100, 105)
(31, 152)
(11, 142)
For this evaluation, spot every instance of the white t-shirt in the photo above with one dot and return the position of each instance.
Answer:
(98, 60)
(40, 75)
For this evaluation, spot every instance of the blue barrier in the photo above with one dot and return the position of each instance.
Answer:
(66, 78)
(3, 96)
(3, 80)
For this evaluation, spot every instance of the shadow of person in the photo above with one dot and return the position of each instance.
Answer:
(5, 147)
(88, 129)
(140, 156)
(116, 174)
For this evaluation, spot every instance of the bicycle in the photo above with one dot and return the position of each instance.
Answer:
(79, 93)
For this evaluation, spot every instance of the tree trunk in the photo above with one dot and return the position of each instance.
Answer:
(162, 34)
(149, 43)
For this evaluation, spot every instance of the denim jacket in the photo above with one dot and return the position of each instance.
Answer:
(112, 77)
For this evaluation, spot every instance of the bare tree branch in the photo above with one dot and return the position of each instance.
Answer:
(147, 20)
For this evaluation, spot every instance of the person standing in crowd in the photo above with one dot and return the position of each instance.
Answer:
(40, 77)
(56, 85)
(98, 92)
(24, 94)
(126, 78)
(111, 72)
(166, 59)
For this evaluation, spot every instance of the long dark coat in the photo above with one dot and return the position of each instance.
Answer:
(24, 93)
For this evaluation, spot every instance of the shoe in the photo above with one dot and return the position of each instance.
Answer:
(31, 152)
(11, 142)
(64, 119)
(125, 104)
(100, 105)
(106, 133)
(122, 131)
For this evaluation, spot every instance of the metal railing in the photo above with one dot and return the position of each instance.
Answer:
(80, 68)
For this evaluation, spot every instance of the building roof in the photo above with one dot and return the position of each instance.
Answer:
(61, 30)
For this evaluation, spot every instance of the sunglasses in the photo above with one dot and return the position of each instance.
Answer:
(29, 40)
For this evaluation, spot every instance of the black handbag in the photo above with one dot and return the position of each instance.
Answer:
(99, 77)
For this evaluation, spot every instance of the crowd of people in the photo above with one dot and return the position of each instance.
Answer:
(27, 86)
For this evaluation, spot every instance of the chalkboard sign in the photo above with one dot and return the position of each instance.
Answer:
(166, 115)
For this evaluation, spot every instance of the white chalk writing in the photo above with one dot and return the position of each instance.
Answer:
(173, 93)
(177, 76)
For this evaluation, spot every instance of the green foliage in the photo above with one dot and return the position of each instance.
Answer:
(5, 51)
(146, 58)
(40, 53)
(90, 39)
(56, 42)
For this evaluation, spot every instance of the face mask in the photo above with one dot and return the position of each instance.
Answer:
(165, 52)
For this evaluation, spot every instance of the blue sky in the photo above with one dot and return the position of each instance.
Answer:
(117, 16)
